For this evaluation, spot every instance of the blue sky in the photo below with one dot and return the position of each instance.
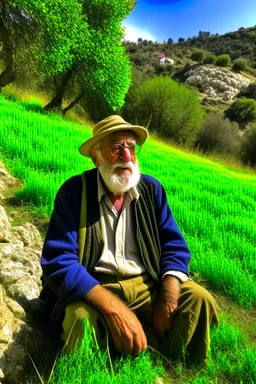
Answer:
(158, 20)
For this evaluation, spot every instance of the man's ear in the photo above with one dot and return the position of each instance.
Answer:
(94, 157)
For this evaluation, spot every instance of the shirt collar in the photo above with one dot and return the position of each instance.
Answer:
(133, 192)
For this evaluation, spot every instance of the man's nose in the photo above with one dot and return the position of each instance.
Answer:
(126, 155)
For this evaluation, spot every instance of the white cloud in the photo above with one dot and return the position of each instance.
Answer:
(132, 33)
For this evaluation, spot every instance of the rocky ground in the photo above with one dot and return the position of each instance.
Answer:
(20, 249)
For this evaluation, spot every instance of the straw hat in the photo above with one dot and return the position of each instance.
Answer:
(109, 125)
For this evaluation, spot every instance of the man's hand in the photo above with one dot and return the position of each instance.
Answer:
(166, 305)
(125, 328)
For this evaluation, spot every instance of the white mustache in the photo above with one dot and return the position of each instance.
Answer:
(121, 164)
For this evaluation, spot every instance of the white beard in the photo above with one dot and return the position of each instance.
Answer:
(118, 184)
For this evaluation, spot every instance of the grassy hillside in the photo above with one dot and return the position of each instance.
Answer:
(213, 205)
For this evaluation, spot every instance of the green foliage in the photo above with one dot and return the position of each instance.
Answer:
(242, 110)
(230, 354)
(88, 364)
(62, 33)
(248, 147)
(223, 60)
(239, 64)
(84, 38)
(218, 135)
(249, 91)
(172, 110)
(241, 43)
(198, 55)
(210, 58)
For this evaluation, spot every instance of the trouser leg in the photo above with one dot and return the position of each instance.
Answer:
(73, 325)
(191, 324)
(136, 292)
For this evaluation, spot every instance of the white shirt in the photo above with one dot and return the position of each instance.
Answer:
(120, 255)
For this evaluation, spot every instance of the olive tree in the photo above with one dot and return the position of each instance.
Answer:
(78, 41)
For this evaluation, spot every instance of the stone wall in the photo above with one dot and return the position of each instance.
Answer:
(20, 249)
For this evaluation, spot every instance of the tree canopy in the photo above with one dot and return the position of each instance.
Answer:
(76, 40)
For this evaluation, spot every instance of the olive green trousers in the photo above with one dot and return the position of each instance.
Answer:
(190, 325)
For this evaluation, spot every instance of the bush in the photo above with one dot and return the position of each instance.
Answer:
(223, 60)
(243, 110)
(198, 55)
(249, 92)
(248, 145)
(218, 134)
(210, 58)
(173, 110)
(239, 64)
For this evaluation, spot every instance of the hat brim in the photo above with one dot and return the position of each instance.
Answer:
(141, 136)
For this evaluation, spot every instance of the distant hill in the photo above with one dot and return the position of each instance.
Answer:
(241, 43)
(147, 54)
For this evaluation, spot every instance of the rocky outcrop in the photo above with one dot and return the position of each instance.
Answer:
(216, 82)
(20, 248)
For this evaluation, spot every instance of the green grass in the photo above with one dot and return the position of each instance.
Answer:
(91, 366)
(214, 206)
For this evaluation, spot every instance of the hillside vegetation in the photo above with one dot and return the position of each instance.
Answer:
(213, 205)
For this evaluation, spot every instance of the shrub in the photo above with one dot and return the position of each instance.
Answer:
(239, 64)
(159, 68)
(173, 110)
(198, 55)
(210, 58)
(223, 60)
(219, 135)
(249, 92)
(243, 110)
(248, 145)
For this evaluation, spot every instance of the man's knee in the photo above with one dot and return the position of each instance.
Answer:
(73, 323)
(198, 298)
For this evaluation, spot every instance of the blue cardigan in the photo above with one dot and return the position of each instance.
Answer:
(65, 280)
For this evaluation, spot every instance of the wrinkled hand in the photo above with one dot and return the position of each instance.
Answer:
(125, 328)
(166, 305)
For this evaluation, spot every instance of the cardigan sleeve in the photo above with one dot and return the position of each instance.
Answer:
(175, 254)
(62, 272)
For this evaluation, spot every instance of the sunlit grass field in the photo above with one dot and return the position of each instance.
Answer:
(213, 205)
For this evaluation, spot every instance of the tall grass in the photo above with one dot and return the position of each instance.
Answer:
(213, 205)
(88, 364)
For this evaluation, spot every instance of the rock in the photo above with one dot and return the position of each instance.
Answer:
(216, 82)
(29, 235)
(20, 272)
(5, 227)
(15, 308)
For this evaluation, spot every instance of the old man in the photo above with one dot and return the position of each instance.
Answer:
(114, 254)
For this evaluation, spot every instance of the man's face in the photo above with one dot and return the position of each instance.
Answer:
(118, 166)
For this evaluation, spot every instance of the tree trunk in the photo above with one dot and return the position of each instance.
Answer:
(71, 105)
(56, 102)
(7, 76)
